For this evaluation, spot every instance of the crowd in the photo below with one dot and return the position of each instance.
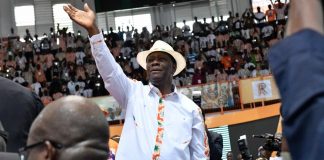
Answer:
(61, 63)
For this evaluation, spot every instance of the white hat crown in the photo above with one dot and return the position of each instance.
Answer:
(161, 46)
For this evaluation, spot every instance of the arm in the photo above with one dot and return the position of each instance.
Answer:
(243, 15)
(302, 99)
(199, 149)
(271, 3)
(113, 76)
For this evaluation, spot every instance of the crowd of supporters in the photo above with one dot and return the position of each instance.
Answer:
(61, 63)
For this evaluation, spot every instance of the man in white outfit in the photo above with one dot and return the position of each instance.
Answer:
(160, 122)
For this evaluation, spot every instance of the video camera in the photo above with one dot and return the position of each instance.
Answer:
(273, 142)
(244, 149)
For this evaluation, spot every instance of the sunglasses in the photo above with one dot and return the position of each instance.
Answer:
(24, 151)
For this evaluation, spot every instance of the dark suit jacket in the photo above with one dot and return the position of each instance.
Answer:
(3, 138)
(18, 108)
(298, 66)
(215, 142)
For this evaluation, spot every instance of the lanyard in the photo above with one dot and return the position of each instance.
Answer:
(160, 130)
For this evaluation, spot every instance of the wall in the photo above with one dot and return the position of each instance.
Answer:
(6, 17)
(164, 14)
(43, 14)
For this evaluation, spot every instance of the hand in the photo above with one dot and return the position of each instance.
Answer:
(86, 18)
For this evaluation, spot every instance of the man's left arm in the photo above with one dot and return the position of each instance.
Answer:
(199, 149)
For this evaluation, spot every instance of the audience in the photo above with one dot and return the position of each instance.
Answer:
(69, 128)
(211, 51)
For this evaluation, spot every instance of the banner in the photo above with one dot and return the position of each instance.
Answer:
(262, 89)
(258, 89)
(110, 107)
(213, 95)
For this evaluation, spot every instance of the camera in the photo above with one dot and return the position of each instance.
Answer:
(244, 149)
(273, 142)
(196, 97)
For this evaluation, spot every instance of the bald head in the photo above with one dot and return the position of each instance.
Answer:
(77, 124)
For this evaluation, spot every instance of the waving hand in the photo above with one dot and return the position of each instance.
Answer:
(85, 18)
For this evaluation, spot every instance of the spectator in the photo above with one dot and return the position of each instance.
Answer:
(71, 85)
(226, 61)
(129, 34)
(120, 34)
(205, 26)
(229, 155)
(213, 25)
(83, 135)
(45, 97)
(45, 45)
(39, 74)
(196, 27)
(267, 32)
(199, 77)
(221, 75)
(186, 30)
(191, 59)
(176, 31)
(271, 15)
(237, 22)
(230, 21)
(79, 55)
(19, 107)
(222, 25)
(259, 16)
(280, 10)
(157, 33)
(199, 64)
(21, 61)
(145, 35)
(70, 40)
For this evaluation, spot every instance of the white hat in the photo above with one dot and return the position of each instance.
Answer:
(160, 46)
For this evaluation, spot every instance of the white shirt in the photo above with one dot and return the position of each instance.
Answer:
(184, 132)
(267, 31)
(186, 31)
(36, 86)
(134, 63)
(79, 57)
(19, 80)
(71, 87)
(259, 15)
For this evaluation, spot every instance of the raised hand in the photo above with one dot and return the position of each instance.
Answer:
(85, 18)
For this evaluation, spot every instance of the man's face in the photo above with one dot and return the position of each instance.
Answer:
(229, 156)
(159, 67)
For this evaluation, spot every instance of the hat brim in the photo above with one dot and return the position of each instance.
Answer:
(181, 62)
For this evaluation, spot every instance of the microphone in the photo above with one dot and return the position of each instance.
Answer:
(258, 136)
(264, 136)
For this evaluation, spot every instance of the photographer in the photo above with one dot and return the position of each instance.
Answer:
(273, 143)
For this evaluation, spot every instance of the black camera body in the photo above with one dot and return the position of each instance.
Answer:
(273, 143)
(244, 149)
